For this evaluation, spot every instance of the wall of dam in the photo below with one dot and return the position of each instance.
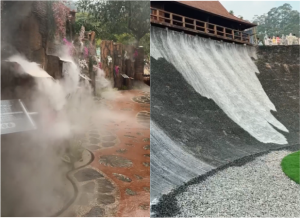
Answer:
(216, 102)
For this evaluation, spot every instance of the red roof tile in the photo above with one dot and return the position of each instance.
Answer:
(214, 7)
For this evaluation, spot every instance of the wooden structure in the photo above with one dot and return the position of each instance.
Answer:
(122, 64)
(206, 18)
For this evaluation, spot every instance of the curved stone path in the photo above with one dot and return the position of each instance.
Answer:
(117, 182)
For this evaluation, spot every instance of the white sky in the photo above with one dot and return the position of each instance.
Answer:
(248, 9)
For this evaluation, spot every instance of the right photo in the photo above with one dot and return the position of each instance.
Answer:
(224, 129)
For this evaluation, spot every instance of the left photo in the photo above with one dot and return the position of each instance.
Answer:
(75, 108)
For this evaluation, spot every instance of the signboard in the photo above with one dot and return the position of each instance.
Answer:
(98, 52)
(14, 117)
(125, 76)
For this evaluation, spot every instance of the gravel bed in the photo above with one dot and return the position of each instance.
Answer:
(257, 189)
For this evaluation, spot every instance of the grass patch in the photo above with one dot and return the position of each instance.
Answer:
(291, 166)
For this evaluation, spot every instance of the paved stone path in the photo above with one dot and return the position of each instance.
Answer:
(117, 182)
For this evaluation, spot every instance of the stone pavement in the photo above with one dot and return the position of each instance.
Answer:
(117, 181)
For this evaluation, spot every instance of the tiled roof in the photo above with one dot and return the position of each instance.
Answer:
(214, 7)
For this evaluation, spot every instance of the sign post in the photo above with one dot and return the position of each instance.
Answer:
(15, 117)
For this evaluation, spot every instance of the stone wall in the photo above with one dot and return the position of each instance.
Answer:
(279, 59)
(279, 54)
(25, 30)
(1, 11)
(279, 69)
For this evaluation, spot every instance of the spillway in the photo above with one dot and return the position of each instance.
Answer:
(170, 164)
(211, 105)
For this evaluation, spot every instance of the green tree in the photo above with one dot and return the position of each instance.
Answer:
(119, 17)
(145, 42)
(278, 21)
(231, 12)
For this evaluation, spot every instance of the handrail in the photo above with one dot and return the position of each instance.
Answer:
(160, 16)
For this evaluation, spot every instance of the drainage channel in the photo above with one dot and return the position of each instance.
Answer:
(60, 212)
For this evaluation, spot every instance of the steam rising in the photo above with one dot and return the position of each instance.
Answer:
(65, 109)
(33, 175)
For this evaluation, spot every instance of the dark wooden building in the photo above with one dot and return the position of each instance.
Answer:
(206, 18)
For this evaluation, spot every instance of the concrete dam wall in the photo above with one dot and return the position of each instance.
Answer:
(213, 103)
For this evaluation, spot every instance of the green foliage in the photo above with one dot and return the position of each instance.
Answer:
(145, 42)
(98, 42)
(104, 32)
(119, 17)
(291, 166)
(125, 38)
(278, 21)
(91, 24)
(231, 12)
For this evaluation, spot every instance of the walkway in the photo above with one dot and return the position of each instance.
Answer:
(117, 181)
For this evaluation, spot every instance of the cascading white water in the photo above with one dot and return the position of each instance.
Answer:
(170, 164)
(225, 73)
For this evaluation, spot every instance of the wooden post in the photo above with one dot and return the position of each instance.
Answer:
(205, 27)
(215, 29)
(183, 21)
(117, 62)
(195, 26)
(107, 50)
(171, 18)
(232, 32)
(224, 32)
(139, 65)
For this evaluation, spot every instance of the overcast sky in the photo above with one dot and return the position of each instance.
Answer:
(248, 9)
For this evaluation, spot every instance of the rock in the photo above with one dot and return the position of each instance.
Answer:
(89, 187)
(105, 186)
(95, 212)
(87, 174)
(105, 199)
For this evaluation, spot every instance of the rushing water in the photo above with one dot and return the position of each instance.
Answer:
(170, 164)
(226, 74)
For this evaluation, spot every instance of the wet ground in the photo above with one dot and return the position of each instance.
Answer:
(117, 181)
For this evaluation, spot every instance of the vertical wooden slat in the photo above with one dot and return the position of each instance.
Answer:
(195, 26)
(215, 29)
(183, 21)
(205, 27)
(224, 32)
(232, 32)
(171, 18)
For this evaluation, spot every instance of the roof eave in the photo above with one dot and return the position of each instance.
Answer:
(237, 21)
